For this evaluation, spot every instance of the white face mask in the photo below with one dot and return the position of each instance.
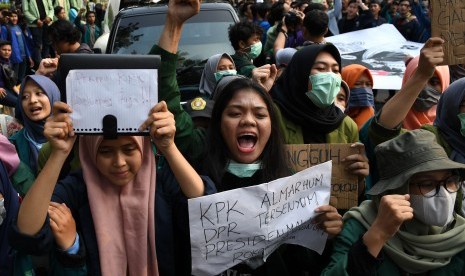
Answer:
(437, 210)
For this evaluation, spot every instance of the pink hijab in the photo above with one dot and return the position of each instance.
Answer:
(415, 119)
(124, 217)
(8, 155)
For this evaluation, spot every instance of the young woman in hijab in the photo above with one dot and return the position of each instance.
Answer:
(361, 101)
(409, 227)
(217, 66)
(36, 98)
(423, 111)
(117, 175)
(304, 97)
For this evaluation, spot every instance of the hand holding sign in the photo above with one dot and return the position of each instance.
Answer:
(58, 128)
(162, 126)
(357, 163)
(329, 220)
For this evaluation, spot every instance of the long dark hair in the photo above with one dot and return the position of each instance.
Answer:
(273, 157)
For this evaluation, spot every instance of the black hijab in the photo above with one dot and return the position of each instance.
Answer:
(289, 94)
(447, 121)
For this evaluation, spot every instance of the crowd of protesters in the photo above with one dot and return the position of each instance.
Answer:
(89, 205)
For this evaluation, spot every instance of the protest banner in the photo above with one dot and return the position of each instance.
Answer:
(250, 223)
(448, 22)
(344, 186)
(383, 56)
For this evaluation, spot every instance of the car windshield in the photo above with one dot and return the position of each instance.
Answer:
(203, 36)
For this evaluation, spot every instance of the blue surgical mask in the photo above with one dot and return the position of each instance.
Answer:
(243, 170)
(220, 74)
(325, 87)
(361, 96)
(255, 50)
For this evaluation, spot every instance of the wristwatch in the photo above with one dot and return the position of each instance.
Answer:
(2, 210)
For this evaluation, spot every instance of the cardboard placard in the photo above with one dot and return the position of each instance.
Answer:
(344, 186)
(448, 22)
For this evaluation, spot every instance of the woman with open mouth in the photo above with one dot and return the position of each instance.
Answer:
(36, 98)
(245, 149)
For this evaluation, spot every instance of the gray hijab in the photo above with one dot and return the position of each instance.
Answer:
(207, 80)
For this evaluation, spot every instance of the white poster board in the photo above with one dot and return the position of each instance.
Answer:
(234, 226)
(127, 94)
(381, 49)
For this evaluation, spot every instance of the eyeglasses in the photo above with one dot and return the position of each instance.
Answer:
(452, 184)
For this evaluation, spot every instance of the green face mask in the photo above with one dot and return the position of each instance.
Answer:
(325, 87)
(461, 117)
(220, 74)
(255, 50)
(243, 170)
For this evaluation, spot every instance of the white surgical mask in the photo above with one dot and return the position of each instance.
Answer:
(243, 170)
(437, 210)
(220, 74)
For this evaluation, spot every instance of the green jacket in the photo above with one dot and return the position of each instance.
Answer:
(76, 4)
(22, 179)
(31, 11)
(22, 148)
(271, 36)
(243, 64)
(353, 231)
(347, 132)
(189, 140)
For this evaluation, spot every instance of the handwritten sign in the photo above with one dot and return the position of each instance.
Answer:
(344, 186)
(448, 22)
(231, 227)
(127, 94)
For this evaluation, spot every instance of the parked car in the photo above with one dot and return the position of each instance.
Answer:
(136, 29)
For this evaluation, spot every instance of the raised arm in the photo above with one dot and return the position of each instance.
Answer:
(178, 12)
(162, 130)
(357, 251)
(392, 212)
(59, 131)
(190, 141)
(395, 110)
